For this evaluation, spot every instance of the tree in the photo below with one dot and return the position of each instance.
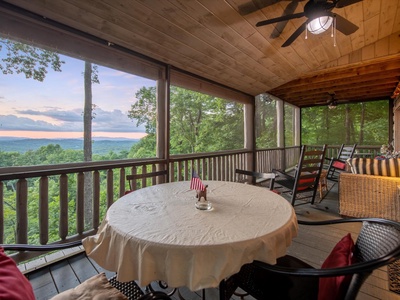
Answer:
(33, 62)
(265, 123)
(361, 123)
(90, 76)
(199, 122)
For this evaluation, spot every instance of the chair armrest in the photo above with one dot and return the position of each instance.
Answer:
(49, 247)
(282, 174)
(358, 267)
(257, 177)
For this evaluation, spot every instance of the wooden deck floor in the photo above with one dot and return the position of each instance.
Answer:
(312, 245)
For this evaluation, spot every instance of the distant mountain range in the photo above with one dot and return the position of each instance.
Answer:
(101, 145)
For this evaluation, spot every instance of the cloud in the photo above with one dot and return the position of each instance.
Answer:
(114, 121)
(69, 120)
(11, 122)
(56, 114)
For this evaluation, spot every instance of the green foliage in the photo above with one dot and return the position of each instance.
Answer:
(265, 123)
(33, 62)
(144, 110)
(361, 123)
(196, 120)
(145, 148)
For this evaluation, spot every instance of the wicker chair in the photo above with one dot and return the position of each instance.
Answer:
(378, 244)
(369, 196)
(130, 289)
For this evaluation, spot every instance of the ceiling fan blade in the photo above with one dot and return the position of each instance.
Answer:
(344, 25)
(280, 19)
(295, 34)
(289, 10)
(343, 3)
(255, 5)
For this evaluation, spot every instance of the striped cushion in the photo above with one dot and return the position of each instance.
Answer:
(367, 166)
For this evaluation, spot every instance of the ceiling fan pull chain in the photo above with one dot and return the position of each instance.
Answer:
(306, 32)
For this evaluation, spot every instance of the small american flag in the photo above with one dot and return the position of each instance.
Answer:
(196, 183)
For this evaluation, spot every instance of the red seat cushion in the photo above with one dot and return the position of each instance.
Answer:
(339, 165)
(306, 180)
(334, 288)
(13, 284)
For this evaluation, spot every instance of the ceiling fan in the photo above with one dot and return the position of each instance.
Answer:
(332, 102)
(255, 5)
(313, 10)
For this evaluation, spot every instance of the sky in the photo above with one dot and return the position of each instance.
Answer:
(54, 108)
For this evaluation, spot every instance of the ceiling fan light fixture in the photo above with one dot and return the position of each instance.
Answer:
(320, 24)
(332, 105)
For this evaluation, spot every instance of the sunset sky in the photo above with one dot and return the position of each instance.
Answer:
(54, 108)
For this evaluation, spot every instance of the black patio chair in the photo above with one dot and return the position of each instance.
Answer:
(378, 244)
(304, 181)
(132, 179)
(254, 178)
(338, 164)
(130, 289)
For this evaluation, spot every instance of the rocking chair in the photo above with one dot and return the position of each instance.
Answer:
(306, 178)
(338, 165)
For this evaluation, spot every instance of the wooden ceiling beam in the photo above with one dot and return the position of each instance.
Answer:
(360, 88)
(374, 68)
(390, 76)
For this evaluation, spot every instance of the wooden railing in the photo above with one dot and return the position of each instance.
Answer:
(361, 151)
(78, 213)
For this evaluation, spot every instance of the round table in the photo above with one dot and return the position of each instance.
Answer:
(156, 233)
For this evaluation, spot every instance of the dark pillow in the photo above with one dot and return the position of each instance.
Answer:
(13, 284)
(334, 288)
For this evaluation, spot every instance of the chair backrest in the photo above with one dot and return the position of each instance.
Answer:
(132, 179)
(254, 178)
(346, 152)
(309, 168)
(376, 241)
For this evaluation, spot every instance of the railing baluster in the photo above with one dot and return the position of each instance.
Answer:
(1, 212)
(134, 182)
(110, 187)
(179, 171)
(154, 179)
(80, 199)
(22, 211)
(122, 182)
(44, 210)
(144, 171)
(96, 199)
(63, 227)
(186, 169)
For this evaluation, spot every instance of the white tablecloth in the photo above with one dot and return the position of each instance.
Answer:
(156, 233)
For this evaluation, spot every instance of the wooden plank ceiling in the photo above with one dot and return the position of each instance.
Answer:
(218, 40)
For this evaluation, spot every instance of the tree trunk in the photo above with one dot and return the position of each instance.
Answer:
(349, 125)
(87, 143)
(362, 120)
